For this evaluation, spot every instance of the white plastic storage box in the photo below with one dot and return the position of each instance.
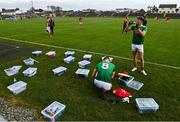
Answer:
(17, 87)
(51, 54)
(126, 79)
(130, 82)
(87, 57)
(84, 64)
(69, 53)
(37, 53)
(69, 60)
(53, 111)
(30, 72)
(12, 70)
(146, 105)
(59, 71)
(82, 73)
(135, 85)
(29, 61)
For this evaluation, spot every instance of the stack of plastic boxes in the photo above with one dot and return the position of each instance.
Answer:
(146, 105)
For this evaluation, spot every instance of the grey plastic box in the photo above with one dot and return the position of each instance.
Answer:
(87, 57)
(69, 60)
(12, 70)
(29, 61)
(84, 64)
(30, 72)
(145, 105)
(130, 82)
(69, 53)
(57, 108)
(59, 71)
(82, 73)
(17, 87)
(36, 53)
(126, 79)
(135, 85)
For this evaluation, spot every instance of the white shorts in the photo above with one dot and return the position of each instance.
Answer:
(102, 85)
(48, 29)
(138, 47)
(80, 23)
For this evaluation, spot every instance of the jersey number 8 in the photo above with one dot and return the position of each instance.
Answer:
(105, 66)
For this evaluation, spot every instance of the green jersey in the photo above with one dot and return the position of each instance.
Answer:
(105, 71)
(137, 38)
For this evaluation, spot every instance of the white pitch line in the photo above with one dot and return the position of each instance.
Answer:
(85, 51)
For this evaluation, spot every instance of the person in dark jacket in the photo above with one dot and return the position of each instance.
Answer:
(52, 25)
(125, 23)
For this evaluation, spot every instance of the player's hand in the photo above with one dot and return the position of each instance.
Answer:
(136, 31)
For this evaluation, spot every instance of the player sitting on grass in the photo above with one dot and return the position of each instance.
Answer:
(139, 31)
(103, 73)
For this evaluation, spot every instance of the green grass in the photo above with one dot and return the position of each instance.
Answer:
(80, 95)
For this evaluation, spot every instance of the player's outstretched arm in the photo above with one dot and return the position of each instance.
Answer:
(127, 29)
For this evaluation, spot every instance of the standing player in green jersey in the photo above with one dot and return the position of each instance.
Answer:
(139, 31)
(103, 73)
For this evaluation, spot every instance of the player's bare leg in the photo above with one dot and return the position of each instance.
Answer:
(141, 57)
(134, 53)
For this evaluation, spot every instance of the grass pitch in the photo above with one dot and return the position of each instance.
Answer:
(101, 35)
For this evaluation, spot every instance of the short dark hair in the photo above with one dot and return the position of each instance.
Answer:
(106, 57)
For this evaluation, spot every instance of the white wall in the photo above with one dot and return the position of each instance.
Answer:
(167, 10)
(9, 13)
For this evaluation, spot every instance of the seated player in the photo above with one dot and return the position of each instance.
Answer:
(103, 73)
